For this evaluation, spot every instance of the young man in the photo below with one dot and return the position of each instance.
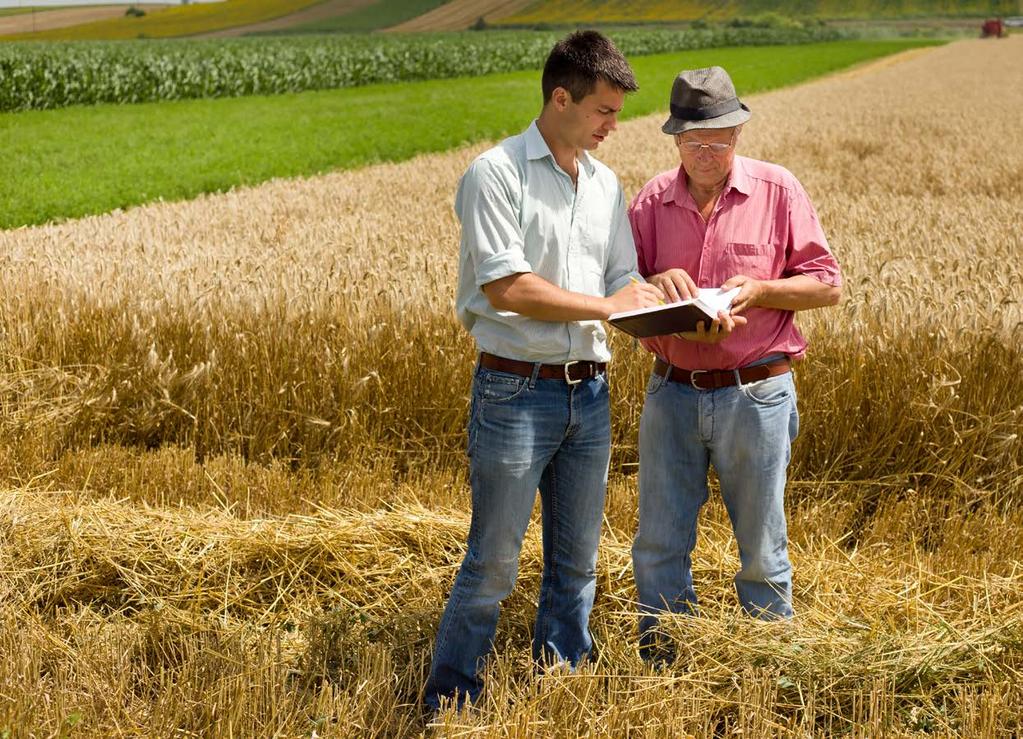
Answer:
(722, 395)
(546, 255)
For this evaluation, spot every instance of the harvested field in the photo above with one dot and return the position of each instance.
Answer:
(62, 17)
(458, 15)
(232, 429)
(186, 19)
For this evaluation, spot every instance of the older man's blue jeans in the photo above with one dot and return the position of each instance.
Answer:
(526, 433)
(746, 433)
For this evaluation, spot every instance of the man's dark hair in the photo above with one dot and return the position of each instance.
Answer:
(579, 60)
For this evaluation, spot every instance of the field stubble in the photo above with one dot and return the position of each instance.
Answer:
(233, 427)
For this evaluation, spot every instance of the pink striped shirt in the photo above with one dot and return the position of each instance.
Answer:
(763, 226)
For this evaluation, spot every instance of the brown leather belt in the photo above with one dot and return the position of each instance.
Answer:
(571, 372)
(714, 379)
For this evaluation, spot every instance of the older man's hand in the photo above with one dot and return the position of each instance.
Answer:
(750, 294)
(676, 284)
(719, 330)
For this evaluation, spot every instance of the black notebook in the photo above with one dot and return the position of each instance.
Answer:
(674, 318)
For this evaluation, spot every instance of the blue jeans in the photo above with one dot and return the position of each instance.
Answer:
(746, 433)
(527, 433)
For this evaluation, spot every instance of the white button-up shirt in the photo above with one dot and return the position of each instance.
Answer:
(520, 213)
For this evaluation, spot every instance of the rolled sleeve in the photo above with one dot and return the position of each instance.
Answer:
(621, 260)
(486, 205)
(808, 251)
(499, 265)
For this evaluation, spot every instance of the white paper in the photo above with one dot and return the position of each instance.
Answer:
(710, 299)
(714, 299)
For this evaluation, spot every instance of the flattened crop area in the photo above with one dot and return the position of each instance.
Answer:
(232, 433)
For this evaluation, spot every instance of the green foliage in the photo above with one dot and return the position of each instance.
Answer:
(3, 12)
(133, 12)
(769, 20)
(55, 75)
(70, 722)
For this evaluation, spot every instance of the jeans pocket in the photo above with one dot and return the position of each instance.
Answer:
(655, 383)
(500, 387)
(769, 392)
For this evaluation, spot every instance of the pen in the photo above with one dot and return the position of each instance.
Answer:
(637, 282)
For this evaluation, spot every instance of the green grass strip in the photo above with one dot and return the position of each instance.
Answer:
(22, 11)
(84, 160)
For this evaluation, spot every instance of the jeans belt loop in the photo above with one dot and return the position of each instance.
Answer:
(738, 378)
(534, 375)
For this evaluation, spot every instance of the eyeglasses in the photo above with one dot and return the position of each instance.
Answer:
(695, 147)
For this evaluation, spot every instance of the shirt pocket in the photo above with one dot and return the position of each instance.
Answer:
(595, 231)
(587, 272)
(760, 261)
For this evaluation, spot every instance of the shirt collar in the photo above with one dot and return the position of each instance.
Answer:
(738, 179)
(536, 148)
(678, 193)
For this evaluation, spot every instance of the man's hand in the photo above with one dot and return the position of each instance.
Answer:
(676, 284)
(719, 330)
(632, 296)
(749, 296)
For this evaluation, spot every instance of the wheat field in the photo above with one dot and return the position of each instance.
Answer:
(234, 495)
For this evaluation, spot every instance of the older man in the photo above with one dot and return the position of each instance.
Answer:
(722, 395)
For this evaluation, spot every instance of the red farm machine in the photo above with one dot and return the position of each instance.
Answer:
(993, 28)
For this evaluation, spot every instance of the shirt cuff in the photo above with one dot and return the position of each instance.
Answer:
(500, 265)
(622, 282)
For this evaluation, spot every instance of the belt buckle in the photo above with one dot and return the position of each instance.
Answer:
(568, 378)
(692, 379)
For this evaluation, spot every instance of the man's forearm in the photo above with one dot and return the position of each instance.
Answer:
(800, 292)
(530, 295)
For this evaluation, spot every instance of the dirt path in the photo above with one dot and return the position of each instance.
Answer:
(44, 20)
(458, 15)
(318, 12)
(886, 61)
